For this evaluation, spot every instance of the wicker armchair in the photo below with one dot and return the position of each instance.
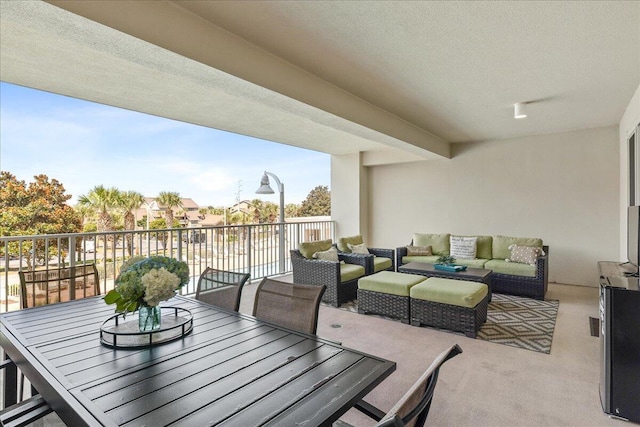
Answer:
(371, 260)
(318, 272)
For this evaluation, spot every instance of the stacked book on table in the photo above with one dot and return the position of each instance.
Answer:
(450, 267)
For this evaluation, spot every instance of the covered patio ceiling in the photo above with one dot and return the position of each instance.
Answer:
(397, 80)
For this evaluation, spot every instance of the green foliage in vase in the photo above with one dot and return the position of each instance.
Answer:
(445, 259)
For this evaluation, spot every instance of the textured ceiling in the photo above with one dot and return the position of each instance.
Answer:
(337, 77)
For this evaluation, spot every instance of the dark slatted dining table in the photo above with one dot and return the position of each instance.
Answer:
(230, 370)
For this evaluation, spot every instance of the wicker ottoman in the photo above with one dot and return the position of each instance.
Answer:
(457, 305)
(387, 293)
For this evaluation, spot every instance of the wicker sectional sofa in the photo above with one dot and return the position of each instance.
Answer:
(492, 254)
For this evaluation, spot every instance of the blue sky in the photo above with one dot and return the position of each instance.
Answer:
(83, 144)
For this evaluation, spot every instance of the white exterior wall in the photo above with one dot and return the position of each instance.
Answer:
(349, 195)
(563, 188)
(628, 124)
(570, 189)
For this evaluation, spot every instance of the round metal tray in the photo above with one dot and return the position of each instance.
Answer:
(115, 332)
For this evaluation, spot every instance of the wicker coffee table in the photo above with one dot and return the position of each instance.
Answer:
(470, 274)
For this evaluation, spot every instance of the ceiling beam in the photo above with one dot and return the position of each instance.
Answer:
(167, 25)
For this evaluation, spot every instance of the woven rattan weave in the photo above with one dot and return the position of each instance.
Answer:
(394, 306)
(447, 316)
(533, 287)
(316, 272)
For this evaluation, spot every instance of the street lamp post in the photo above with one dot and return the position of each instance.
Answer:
(153, 206)
(265, 188)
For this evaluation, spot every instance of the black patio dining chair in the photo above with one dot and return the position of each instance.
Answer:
(24, 412)
(412, 409)
(290, 305)
(221, 288)
(53, 285)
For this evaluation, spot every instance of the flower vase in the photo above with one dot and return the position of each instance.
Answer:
(148, 318)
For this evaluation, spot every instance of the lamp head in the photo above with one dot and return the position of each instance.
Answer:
(264, 188)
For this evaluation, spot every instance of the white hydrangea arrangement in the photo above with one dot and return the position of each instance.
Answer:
(147, 282)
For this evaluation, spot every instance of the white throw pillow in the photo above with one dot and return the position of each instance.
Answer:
(330, 254)
(463, 247)
(358, 249)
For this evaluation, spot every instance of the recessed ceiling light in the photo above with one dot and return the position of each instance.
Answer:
(520, 110)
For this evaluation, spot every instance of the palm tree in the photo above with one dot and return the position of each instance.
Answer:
(101, 200)
(169, 200)
(257, 206)
(271, 211)
(130, 201)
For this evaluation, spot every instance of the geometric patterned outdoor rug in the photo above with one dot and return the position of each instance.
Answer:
(520, 322)
(514, 321)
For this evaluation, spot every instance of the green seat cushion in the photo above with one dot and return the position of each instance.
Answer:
(381, 263)
(501, 245)
(350, 272)
(420, 258)
(473, 263)
(439, 242)
(343, 242)
(307, 249)
(448, 291)
(514, 268)
(390, 282)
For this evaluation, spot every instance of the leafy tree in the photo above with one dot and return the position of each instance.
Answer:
(291, 210)
(35, 209)
(317, 203)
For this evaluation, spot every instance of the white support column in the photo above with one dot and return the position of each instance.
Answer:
(349, 195)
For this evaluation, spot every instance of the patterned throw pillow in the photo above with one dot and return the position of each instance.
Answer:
(419, 251)
(330, 254)
(358, 249)
(524, 254)
(463, 247)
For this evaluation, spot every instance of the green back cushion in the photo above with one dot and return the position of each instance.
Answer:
(501, 245)
(343, 242)
(307, 249)
(448, 291)
(439, 242)
(485, 247)
(389, 282)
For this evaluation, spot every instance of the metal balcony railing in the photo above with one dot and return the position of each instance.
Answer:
(252, 249)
